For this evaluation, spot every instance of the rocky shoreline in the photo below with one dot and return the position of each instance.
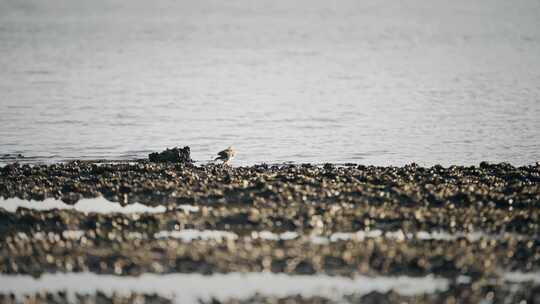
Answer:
(498, 203)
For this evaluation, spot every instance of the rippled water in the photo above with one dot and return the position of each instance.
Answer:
(373, 82)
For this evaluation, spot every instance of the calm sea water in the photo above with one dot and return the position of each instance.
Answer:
(373, 82)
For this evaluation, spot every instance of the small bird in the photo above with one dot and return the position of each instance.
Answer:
(226, 156)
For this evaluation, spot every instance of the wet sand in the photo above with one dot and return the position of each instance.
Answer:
(469, 225)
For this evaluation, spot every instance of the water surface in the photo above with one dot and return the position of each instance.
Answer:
(373, 82)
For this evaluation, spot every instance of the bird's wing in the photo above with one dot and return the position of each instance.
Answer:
(223, 153)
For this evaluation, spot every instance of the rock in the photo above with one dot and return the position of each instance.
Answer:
(71, 198)
(174, 155)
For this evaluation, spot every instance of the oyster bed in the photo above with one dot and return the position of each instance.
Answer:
(477, 223)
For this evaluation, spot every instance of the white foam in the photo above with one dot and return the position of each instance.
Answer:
(267, 235)
(92, 205)
(188, 208)
(419, 235)
(188, 288)
(519, 277)
(188, 235)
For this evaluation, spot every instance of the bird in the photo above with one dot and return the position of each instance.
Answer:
(226, 155)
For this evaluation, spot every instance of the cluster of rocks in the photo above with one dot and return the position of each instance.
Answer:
(120, 253)
(492, 198)
(499, 201)
(174, 155)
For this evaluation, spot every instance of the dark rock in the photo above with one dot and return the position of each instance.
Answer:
(71, 198)
(328, 166)
(174, 155)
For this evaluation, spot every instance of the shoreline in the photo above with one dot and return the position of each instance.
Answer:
(48, 161)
